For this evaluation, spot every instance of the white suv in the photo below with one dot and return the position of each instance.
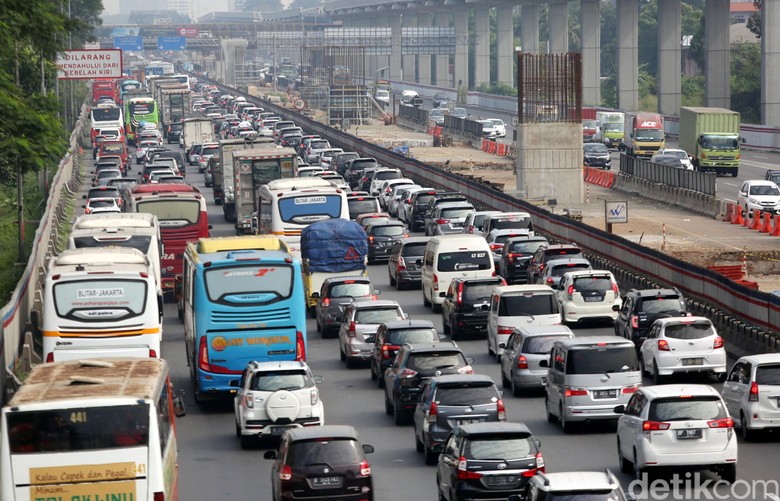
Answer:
(275, 396)
(573, 486)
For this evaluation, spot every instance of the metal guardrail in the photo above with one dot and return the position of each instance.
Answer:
(413, 113)
(463, 125)
(701, 182)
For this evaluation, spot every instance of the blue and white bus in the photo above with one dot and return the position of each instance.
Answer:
(239, 306)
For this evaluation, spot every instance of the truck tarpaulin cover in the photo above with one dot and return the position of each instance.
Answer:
(334, 245)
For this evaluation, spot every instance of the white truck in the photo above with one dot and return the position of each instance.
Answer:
(196, 131)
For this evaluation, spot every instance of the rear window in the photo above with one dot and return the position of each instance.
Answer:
(559, 270)
(686, 409)
(377, 316)
(768, 374)
(456, 214)
(529, 304)
(539, 345)
(317, 145)
(501, 447)
(416, 250)
(464, 261)
(466, 394)
(362, 205)
(523, 247)
(588, 284)
(102, 203)
(436, 360)
(363, 165)
(571, 251)
(280, 380)
(402, 336)
(375, 220)
(697, 330)
(512, 223)
(357, 289)
(476, 292)
(333, 452)
(602, 360)
(388, 231)
(97, 193)
(387, 175)
(423, 199)
(662, 304)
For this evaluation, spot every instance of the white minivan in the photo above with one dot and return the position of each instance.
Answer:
(450, 256)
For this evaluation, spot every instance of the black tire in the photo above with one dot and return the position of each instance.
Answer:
(351, 363)
(425, 301)
(516, 391)
(436, 308)
(399, 415)
(417, 444)
(745, 432)
(490, 348)
(550, 416)
(625, 464)
(638, 472)
(247, 442)
(342, 355)
(729, 473)
(380, 381)
(371, 371)
(238, 430)
(393, 281)
(657, 378)
(504, 381)
(446, 328)
(431, 457)
(388, 406)
(566, 426)
(319, 327)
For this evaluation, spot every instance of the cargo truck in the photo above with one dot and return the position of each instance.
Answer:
(644, 134)
(251, 170)
(588, 125)
(174, 105)
(711, 137)
(197, 131)
(610, 128)
(222, 182)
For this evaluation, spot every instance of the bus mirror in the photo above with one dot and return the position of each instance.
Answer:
(178, 278)
(318, 379)
(178, 407)
(269, 455)
(211, 227)
(234, 383)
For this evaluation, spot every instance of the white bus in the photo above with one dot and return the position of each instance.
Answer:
(91, 429)
(289, 205)
(101, 303)
(139, 230)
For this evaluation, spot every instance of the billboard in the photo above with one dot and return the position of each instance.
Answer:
(81, 64)
(187, 32)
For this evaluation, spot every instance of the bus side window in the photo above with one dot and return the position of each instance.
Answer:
(164, 417)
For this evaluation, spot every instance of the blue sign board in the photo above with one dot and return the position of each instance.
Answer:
(171, 43)
(129, 43)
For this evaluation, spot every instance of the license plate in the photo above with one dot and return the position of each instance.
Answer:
(689, 433)
(279, 430)
(461, 422)
(593, 299)
(604, 393)
(497, 481)
(326, 481)
(693, 361)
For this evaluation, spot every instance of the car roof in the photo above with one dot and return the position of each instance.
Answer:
(644, 293)
(596, 340)
(507, 289)
(325, 431)
(433, 346)
(366, 303)
(462, 378)
(491, 428)
(678, 390)
(543, 330)
(409, 324)
(761, 182)
(763, 358)
(682, 320)
(578, 481)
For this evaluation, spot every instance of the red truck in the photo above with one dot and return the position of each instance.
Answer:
(102, 88)
(588, 125)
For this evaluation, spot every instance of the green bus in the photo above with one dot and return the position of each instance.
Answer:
(137, 110)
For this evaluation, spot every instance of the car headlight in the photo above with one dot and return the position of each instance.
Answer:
(753, 201)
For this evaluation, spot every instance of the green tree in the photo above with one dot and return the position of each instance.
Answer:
(746, 81)
(609, 54)
(754, 21)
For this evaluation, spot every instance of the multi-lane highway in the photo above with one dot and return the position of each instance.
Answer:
(213, 466)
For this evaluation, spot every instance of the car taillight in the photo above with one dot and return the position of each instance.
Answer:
(50, 359)
(663, 345)
(249, 400)
(300, 347)
(407, 374)
(718, 343)
(152, 353)
(285, 473)
(501, 410)
(511, 257)
(159, 496)
(326, 302)
(87, 210)
(634, 322)
(505, 329)
(654, 426)
(570, 291)
(464, 473)
(575, 392)
(435, 282)
(442, 221)
(615, 288)
(352, 329)
(522, 362)
(203, 355)
(365, 469)
(386, 348)
(752, 397)
(460, 294)
(721, 423)
(630, 389)
(550, 281)
(371, 239)
(433, 412)
(401, 265)
(315, 397)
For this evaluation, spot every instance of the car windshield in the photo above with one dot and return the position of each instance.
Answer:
(723, 143)
(324, 451)
(402, 336)
(592, 283)
(500, 447)
(662, 304)
(596, 148)
(695, 330)
(526, 246)
(388, 231)
(601, 360)
(350, 289)
(676, 153)
(429, 361)
(768, 374)
(767, 189)
(280, 380)
(540, 345)
(529, 304)
(378, 315)
(467, 394)
(687, 408)
(649, 135)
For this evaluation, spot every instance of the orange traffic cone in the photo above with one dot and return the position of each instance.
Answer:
(737, 219)
(729, 213)
(776, 231)
(767, 226)
(756, 224)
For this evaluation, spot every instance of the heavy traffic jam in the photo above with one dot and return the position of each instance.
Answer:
(315, 226)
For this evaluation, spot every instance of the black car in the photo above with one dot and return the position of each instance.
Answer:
(465, 307)
(547, 253)
(487, 461)
(413, 364)
(381, 238)
(419, 203)
(340, 161)
(515, 257)
(438, 199)
(643, 307)
(176, 155)
(355, 168)
(321, 462)
(334, 295)
(390, 336)
(174, 132)
(596, 155)
(402, 266)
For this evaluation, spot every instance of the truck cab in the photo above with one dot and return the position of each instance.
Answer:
(644, 134)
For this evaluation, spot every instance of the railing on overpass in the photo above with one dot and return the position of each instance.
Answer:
(702, 182)
(413, 113)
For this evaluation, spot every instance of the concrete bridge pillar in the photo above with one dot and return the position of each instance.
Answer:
(628, 54)
(558, 20)
(233, 50)
(529, 27)
(482, 48)
(669, 56)
(590, 26)
(424, 60)
(395, 71)
(718, 47)
(770, 69)
(461, 20)
(505, 41)
(409, 61)
(442, 75)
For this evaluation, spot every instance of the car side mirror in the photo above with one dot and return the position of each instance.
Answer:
(377, 292)
(315, 295)
(502, 345)
(442, 336)
(619, 409)
(389, 251)
(406, 316)
(211, 227)
(178, 407)
(368, 449)
(318, 379)
(234, 383)
(538, 443)
(270, 455)
(83, 206)
(469, 360)
(544, 363)
(615, 307)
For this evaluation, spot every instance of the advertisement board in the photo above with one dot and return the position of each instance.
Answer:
(83, 64)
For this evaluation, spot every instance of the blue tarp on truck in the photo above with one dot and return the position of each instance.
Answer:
(334, 245)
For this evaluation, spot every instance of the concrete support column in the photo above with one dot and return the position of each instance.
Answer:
(505, 41)
(232, 54)
(590, 14)
(529, 28)
(409, 62)
(442, 75)
(424, 60)
(669, 56)
(395, 48)
(718, 60)
(558, 19)
(770, 69)
(628, 54)
(461, 19)
(482, 49)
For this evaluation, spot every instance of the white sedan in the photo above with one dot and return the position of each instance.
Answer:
(499, 126)
(685, 160)
(683, 344)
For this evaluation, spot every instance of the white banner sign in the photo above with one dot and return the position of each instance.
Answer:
(616, 212)
(79, 64)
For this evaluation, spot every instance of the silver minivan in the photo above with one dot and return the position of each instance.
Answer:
(588, 377)
(525, 350)
(752, 393)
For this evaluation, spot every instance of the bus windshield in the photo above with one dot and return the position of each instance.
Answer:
(100, 300)
(141, 108)
(304, 209)
(249, 284)
(105, 114)
(78, 429)
(172, 212)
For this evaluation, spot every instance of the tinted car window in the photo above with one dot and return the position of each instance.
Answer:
(401, 336)
(424, 199)
(768, 374)
(500, 447)
(532, 304)
(477, 291)
(279, 380)
(592, 284)
(350, 290)
(377, 316)
(465, 395)
(456, 213)
(686, 409)
(388, 231)
(651, 305)
(357, 207)
(464, 260)
(101, 203)
(601, 360)
(539, 345)
(382, 176)
(595, 148)
(689, 331)
(416, 250)
(559, 270)
(139, 242)
(337, 452)
(432, 361)
(508, 224)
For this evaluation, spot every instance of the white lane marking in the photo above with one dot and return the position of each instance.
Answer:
(730, 184)
(762, 157)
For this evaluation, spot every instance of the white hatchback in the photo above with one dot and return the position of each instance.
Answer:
(683, 344)
(752, 393)
(758, 194)
(588, 294)
(676, 425)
